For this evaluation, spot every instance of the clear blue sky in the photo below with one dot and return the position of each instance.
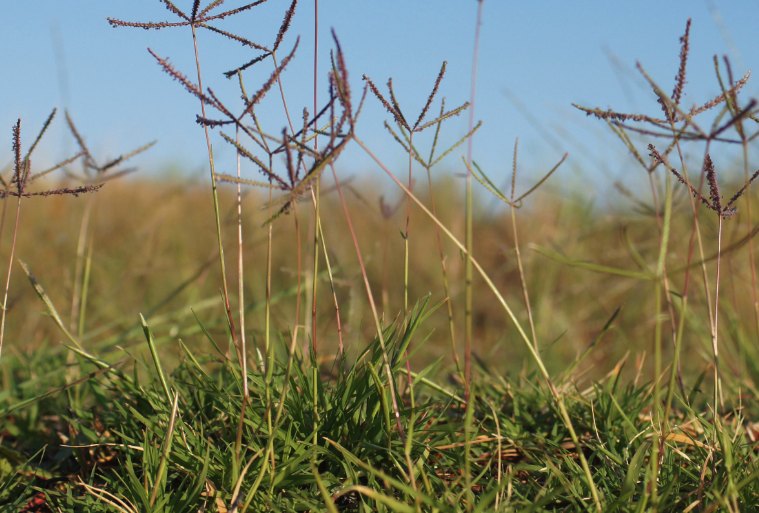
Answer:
(540, 55)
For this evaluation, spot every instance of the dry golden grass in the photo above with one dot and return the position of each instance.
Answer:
(154, 236)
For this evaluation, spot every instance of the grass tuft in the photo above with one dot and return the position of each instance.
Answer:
(210, 402)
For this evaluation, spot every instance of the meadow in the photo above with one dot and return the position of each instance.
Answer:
(293, 339)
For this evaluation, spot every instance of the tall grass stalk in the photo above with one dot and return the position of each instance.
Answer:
(522, 278)
(468, 270)
(297, 228)
(317, 233)
(370, 296)
(79, 266)
(215, 202)
(296, 326)
(671, 107)
(10, 259)
(695, 233)
(268, 346)
(446, 285)
(315, 370)
(340, 345)
(85, 285)
(718, 397)
(241, 307)
(660, 269)
(408, 222)
(241, 356)
(751, 256)
(405, 302)
(322, 241)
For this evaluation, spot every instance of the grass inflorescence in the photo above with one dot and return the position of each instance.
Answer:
(200, 396)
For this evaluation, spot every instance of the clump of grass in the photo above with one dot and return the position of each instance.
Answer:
(289, 433)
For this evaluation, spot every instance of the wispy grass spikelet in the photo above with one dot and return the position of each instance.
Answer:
(680, 78)
(213, 5)
(195, 6)
(269, 83)
(232, 12)
(395, 104)
(42, 131)
(742, 190)
(173, 8)
(17, 153)
(610, 114)
(197, 19)
(285, 25)
(719, 98)
(77, 136)
(340, 76)
(233, 72)
(383, 101)
(179, 77)
(239, 39)
(715, 204)
(713, 187)
(75, 191)
(431, 96)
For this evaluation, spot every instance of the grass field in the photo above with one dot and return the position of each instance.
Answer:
(460, 347)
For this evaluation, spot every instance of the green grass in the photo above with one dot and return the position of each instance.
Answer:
(609, 356)
(521, 452)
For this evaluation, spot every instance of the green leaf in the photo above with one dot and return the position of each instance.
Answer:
(591, 266)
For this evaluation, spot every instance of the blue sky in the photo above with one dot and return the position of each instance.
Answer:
(536, 59)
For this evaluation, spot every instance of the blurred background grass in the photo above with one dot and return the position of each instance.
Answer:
(155, 253)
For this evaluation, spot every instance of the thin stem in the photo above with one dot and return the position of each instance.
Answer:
(750, 237)
(522, 278)
(86, 285)
(334, 297)
(385, 247)
(660, 272)
(445, 277)
(215, 202)
(286, 382)
(79, 269)
(292, 130)
(405, 278)
(240, 274)
(676, 358)
(332, 283)
(715, 334)
(695, 230)
(2, 217)
(378, 326)
(165, 452)
(316, 185)
(298, 274)
(667, 292)
(8, 280)
(268, 346)
(408, 222)
(469, 243)
(241, 305)
(317, 232)
(468, 307)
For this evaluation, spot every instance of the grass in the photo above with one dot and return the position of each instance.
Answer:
(609, 354)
